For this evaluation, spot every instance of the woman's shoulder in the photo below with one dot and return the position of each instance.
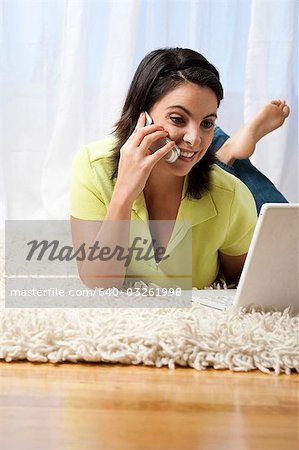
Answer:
(97, 150)
(228, 189)
(225, 181)
(92, 166)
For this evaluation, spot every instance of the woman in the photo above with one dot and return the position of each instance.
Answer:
(119, 181)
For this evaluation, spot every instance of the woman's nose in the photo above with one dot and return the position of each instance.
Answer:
(192, 136)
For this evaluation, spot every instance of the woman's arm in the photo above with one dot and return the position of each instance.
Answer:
(232, 266)
(112, 231)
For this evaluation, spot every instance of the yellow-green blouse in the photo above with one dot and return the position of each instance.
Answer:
(222, 220)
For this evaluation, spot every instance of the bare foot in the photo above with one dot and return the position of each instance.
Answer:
(241, 145)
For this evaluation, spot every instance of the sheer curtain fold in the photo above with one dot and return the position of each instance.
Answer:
(69, 122)
(86, 109)
(271, 74)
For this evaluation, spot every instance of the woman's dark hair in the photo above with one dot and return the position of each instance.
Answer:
(159, 72)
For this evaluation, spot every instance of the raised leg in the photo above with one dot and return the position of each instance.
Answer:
(241, 145)
(233, 152)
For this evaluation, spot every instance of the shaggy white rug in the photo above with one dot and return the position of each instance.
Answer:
(196, 337)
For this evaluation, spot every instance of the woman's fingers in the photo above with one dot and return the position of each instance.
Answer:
(149, 139)
(162, 151)
(148, 136)
(140, 122)
(135, 155)
(142, 130)
(139, 125)
(140, 133)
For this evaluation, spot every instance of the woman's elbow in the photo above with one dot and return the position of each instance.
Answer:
(232, 267)
(100, 283)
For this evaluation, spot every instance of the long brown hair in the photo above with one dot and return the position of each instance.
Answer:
(159, 72)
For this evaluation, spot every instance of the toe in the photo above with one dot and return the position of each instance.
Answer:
(276, 102)
(282, 102)
(286, 110)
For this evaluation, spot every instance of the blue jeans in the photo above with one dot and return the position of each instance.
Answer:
(262, 189)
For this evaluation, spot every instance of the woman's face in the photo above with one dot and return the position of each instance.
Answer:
(188, 113)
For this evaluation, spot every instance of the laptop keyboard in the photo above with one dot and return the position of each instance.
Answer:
(216, 299)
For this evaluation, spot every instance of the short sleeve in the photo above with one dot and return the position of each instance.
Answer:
(86, 200)
(242, 221)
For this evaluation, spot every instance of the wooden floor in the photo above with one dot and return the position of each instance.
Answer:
(90, 406)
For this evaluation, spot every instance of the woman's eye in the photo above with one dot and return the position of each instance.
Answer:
(207, 124)
(177, 120)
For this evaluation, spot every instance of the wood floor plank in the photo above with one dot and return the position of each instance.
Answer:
(103, 406)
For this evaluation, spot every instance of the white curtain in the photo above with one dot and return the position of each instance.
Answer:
(66, 66)
(272, 72)
(86, 107)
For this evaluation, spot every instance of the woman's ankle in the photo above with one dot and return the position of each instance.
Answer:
(225, 155)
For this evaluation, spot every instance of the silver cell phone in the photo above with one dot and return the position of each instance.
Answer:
(173, 154)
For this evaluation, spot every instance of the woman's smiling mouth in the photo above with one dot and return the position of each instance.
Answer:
(187, 156)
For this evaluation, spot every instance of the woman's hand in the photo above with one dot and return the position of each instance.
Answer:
(137, 161)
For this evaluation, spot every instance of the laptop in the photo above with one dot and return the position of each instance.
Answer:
(270, 274)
